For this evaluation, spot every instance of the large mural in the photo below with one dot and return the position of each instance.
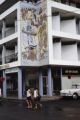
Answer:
(34, 44)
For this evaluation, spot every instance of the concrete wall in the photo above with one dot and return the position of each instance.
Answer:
(56, 23)
(79, 53)
(69, 52)
(57, 50)
(68, 26)
(78, 27)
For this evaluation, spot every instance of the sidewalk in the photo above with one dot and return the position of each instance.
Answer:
(44, 98)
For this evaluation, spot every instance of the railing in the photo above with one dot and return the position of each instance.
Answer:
(11, 58)
(9, 31)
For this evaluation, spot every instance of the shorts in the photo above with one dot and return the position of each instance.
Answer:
(37, 98)
(29, 98)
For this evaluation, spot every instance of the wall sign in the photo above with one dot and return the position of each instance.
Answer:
(71, 72)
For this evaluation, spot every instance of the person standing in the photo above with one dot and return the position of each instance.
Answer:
(29, 100)
(37, 98)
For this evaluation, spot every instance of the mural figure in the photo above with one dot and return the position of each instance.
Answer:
(42, 34)
(34, 34)
(31, 46)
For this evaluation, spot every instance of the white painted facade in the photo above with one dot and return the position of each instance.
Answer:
(2, 1)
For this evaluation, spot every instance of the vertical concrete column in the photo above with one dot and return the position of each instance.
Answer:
(19, 83)
(3, 54)
(3, 29)
(61, 80)
(52, 85)
(40, 83)
(49, 82)
(23, 84)
(23, 90)
(19, 33)
(4, 85)
(50, 38)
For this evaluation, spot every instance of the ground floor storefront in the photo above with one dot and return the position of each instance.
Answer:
(49, 80)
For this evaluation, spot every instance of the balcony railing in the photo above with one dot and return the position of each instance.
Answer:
(9, 31)
(11, 58)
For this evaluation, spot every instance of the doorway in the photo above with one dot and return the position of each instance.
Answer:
(33, 83)
(12, 84)
(56, 80)
(45, 85)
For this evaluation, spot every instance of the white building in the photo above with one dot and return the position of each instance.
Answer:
(39, 46)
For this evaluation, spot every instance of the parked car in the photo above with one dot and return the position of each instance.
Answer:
(73, 92)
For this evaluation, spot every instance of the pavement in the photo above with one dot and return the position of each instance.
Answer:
(47, 98)
(44, 98)
(51, 110)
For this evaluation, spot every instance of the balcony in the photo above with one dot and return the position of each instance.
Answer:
(9, 31)
(74, 3)
(11, 58)
(8, 25)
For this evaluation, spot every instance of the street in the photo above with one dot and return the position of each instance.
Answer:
(52, 110)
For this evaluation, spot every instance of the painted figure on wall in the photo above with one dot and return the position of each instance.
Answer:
(34, 33)
(42, 34)
(28, 35)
